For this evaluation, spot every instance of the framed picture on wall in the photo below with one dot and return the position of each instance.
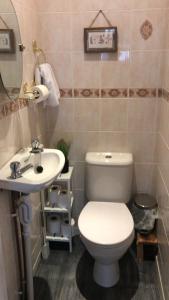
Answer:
(100, 39)
(7, 41)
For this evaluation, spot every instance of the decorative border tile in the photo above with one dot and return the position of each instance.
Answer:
(66, 93)
(11, 107)
(160, 93)
(114, 93)
(165, 95)
(142, 93)
(86, 93)
(23, 103)
(146, 30)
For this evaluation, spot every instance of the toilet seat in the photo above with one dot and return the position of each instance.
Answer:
(106, 223)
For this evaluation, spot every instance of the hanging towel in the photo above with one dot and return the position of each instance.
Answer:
(44, 75)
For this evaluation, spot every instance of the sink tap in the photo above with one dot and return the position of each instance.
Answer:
(36, 146)
(15, 169)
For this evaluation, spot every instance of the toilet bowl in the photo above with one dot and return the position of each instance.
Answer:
(106, 225)
(107, 231)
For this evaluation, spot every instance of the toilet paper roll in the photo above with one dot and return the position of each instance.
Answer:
(63, 199)
(41, 93)
(53, 225)
(53, 193)
(66, 228)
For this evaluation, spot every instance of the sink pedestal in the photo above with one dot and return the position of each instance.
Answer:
(25, 217)
(52, 162)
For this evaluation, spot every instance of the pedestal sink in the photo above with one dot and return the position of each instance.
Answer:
(51, 162)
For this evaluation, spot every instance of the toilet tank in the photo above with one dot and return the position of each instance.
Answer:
(108, 176)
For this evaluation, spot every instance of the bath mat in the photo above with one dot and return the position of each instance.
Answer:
(41, 289)
(125, 288)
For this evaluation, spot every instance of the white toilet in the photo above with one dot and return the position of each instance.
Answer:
(105, 223)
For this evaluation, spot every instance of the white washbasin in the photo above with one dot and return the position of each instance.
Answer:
(31, 181)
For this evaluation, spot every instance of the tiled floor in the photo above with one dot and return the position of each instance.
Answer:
(69, 278)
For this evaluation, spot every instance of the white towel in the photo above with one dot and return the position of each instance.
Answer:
(44, 75)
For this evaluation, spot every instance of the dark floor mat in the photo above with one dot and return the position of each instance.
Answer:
(41, 289)
(124, 290)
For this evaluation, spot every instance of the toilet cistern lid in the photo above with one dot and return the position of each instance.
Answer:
(109, 158)
(106, 223)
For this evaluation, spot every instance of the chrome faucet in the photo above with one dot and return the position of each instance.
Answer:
(36, 146)
(17, 171)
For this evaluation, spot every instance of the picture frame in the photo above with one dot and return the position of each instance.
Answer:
(100, 40)
(7, 41)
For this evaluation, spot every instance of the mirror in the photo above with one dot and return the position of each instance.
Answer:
(10, 53)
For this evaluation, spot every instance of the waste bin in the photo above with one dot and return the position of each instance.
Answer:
(144, 211)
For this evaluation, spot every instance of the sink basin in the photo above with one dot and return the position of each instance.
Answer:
(52, 162)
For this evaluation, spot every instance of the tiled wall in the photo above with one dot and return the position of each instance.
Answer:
(109, 102)
(17, 128)
(140, 43)
(162, 180)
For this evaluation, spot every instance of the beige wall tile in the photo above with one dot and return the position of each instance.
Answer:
(79, 176)
(163, 125)
(115, 74)
(161, 191)
(78, 204)
(112, 141)
(83, 142)
(158, 20)
(144, 178)
(145, 4)
(113, 115)
(142, 114)
(143, 69)
(142, 145)
(86, 73)
(10, 138)
(62, 116)
(163, 201)
(166, 70)
(118, 4)
(87, 114)
(163, 159)
(61, 63)
(53, 6)
(85, 5)
(59, 26)
(167, 30)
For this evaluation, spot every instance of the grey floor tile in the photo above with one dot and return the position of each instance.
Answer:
(60, 272)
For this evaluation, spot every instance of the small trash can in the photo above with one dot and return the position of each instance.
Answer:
(144, 211)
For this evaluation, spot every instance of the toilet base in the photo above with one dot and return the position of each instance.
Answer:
(106, 275)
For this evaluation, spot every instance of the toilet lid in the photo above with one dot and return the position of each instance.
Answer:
(106, 223)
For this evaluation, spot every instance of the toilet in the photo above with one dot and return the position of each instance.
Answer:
(105, 223)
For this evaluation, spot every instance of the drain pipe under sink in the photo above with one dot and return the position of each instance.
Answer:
(25, 217)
